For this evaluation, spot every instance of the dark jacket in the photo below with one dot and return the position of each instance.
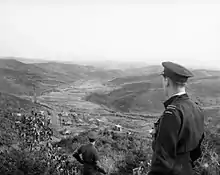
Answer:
(89, 159)
(178, 137)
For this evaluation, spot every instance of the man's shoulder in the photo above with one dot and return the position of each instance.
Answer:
(180, 107)
(179, 103)
(88, 146)
(172, 108)
(82, 147)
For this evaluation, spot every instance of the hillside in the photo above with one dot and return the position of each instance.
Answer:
(29, 144)
(136, 79)
(10, 101)
(20, 78)
(109, 64)
(144, 94)
(76, 71)
(144, 70)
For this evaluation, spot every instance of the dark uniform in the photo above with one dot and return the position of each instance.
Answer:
(179, 131)
(90, 157)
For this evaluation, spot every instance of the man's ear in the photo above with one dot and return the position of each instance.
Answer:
(166, 82)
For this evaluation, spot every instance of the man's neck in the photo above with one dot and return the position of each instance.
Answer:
(178, 92)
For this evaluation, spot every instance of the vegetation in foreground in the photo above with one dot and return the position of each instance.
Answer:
(34, 153)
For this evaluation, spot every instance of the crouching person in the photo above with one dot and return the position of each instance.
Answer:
(90, 157)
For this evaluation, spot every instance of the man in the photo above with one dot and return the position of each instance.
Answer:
(90, 156)
(180, 129)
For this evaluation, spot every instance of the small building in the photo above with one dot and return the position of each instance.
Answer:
(65, 132)
(66, 114)
(68, 122)
(91, 119)
(42, 112)
(74, 114)
(93, 126)
(80, 120)
(118, 128)
(99, 120)
(19, 114)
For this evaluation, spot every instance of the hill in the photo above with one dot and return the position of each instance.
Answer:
(109, 64)
(20, 78)
(76, 71)
(10, 101)
(205, 73)
(120, 151)
(144, 70)
(136, 79)
(144, 93)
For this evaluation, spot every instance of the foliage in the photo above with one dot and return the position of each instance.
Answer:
(209, 162)
(119, 152)
(33, 153)
(33, 129)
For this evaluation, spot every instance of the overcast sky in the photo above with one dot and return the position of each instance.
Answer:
(184, 31)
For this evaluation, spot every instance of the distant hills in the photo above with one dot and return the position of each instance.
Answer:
(144, 93)
(20, 78)
(108, 64)
(136, 88)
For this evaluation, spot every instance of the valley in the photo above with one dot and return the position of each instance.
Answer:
(117, 96)
(122, 105)
(72, 96)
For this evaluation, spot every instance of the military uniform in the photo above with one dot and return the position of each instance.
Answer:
(180, 131)
(89, 157)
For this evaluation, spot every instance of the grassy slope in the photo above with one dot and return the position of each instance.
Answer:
(11, 101)
(19, 82)
(19, 78)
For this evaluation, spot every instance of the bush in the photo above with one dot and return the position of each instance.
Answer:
(119, 152)
(209, 163)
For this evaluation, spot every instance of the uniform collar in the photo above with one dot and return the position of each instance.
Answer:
(175, 96)
(179, 93)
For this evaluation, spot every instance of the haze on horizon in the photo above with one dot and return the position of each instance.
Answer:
(183, 31)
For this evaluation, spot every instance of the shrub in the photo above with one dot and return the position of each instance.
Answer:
(119, 153)
(209, 162)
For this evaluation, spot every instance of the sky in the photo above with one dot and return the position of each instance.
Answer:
(186, 32)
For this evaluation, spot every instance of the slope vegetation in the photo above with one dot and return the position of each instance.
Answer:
(14, 102)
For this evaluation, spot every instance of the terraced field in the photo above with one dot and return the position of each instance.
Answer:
(72, 96)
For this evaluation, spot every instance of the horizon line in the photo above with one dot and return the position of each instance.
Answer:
(90, 61)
